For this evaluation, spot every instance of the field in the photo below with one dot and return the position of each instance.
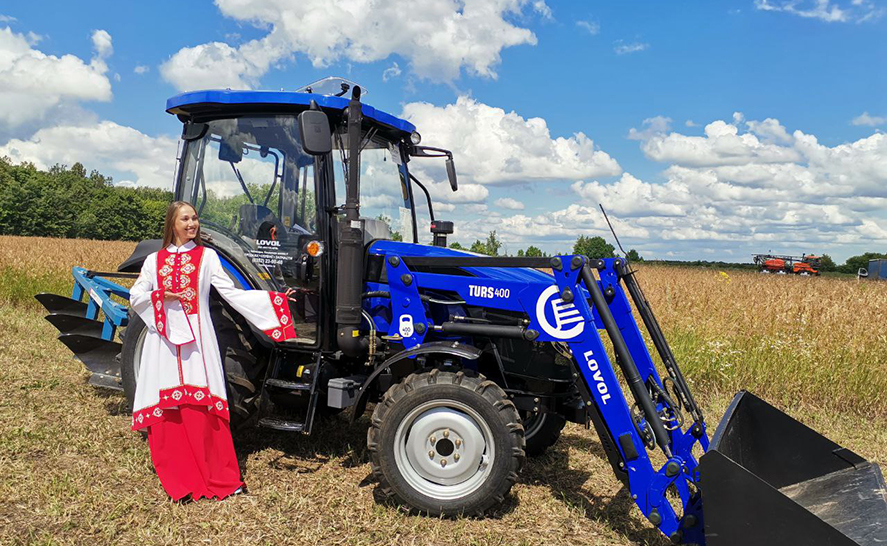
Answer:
(73, 473)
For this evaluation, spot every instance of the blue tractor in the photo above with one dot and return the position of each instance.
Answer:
(470, 362)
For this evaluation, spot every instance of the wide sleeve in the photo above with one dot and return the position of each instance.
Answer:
(166, 318)
(267, 311)
(142, 295)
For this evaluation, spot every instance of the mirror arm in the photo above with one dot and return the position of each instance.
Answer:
(427, 195)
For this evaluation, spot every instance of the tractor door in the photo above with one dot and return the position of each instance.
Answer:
(255, 191)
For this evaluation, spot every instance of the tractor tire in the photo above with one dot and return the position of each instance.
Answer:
(541, 431)
(244, 364)
(446, 444)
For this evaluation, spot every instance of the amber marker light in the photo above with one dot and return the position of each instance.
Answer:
(314, 248)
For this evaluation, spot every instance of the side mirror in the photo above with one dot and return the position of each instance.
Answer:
(451, 173)
(314, 128)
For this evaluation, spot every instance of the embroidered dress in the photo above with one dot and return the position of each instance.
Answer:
(180, 392)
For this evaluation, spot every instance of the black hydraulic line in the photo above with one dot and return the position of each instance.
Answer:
(427, 195)
(629, 368)
(492, 330)
(659, 341)
(91, 274)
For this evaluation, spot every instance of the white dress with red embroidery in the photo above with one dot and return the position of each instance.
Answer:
(180, 360)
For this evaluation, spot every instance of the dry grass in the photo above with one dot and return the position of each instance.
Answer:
(75, 474)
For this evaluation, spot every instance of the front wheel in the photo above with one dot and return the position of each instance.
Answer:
(446, 444)
(542, 431)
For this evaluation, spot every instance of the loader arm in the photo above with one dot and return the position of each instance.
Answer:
(573, 307)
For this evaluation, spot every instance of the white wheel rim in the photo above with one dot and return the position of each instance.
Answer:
(444, 449)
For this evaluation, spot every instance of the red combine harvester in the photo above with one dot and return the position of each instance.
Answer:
(799, 265)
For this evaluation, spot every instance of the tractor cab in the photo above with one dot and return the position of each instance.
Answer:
(272, 204)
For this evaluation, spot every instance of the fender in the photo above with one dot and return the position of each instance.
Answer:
(453, 348)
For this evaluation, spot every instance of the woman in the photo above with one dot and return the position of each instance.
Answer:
(180, 393)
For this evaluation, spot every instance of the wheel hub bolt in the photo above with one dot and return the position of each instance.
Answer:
(456, 457)
(458, 443)
(431, 453)
(446, 434)
(443, 462)
(432, 440)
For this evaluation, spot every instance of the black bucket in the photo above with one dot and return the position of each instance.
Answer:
(769, 480)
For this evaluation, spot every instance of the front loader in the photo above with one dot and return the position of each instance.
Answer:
(468, 362)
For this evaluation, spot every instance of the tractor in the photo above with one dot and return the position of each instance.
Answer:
(468, 363)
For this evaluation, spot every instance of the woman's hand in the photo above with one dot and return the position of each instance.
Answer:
(167, 295)
(290, 292)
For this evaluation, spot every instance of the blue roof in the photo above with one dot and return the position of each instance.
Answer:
(227, 96)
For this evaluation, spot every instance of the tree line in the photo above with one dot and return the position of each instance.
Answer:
(71, 203)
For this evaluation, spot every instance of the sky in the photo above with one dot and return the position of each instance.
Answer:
(709, 130)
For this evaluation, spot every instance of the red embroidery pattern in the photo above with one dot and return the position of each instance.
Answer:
(286, 330)
(159, 312)
(178, 272)
(179, 396)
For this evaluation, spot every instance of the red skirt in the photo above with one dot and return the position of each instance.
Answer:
(193, 454)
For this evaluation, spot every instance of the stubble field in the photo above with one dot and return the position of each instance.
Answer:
(73, 473)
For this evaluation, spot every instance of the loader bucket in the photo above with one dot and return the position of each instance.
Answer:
(769, 480)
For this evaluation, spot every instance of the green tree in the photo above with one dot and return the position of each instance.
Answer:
(826, 263)
(593, 247)
(855, 263)
(633, 256)
(534, 252)
(456, 246)
(490, 246)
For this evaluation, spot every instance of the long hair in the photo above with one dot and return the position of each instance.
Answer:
(169, 232)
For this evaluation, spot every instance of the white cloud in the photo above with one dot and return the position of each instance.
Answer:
(141, 69)
(392, 71)
(591, 27)
(622, 48)
(438, 38)
(33, 83)
(105, 145)
(869, 120)
(7, 18)
(652, 126)
(858, 11)
(102, 43)
(509, 203)
(497, 147)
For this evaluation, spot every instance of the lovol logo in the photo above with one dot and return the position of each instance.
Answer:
(264, 242)
(564, 315)
(595, 370)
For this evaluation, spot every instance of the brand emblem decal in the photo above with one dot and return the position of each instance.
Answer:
(568, 322)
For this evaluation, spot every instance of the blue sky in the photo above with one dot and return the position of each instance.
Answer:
(711, 129)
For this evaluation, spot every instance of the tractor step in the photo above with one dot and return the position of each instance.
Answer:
(280, 424)
(288, 385)
(60, 305)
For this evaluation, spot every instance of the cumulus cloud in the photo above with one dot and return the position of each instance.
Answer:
(652, 126)
(493, 146)
(392, 71)
(7, 18)
(439, 39)
(141, 69)
(858, 11)
(509, 203)
(869, 120)
(32, 83)
(147, 161)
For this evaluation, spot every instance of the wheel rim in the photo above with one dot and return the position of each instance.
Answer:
(444, 449)
(532, 423)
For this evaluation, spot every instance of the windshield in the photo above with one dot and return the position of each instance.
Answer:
(255, 193)
(385, 201)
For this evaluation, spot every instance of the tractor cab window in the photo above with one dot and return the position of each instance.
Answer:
(254, 189)
(385, 204)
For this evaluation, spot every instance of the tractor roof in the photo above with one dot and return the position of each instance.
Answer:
(218, 102)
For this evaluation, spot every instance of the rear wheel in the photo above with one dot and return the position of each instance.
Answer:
(541, 431)
(446, 443)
